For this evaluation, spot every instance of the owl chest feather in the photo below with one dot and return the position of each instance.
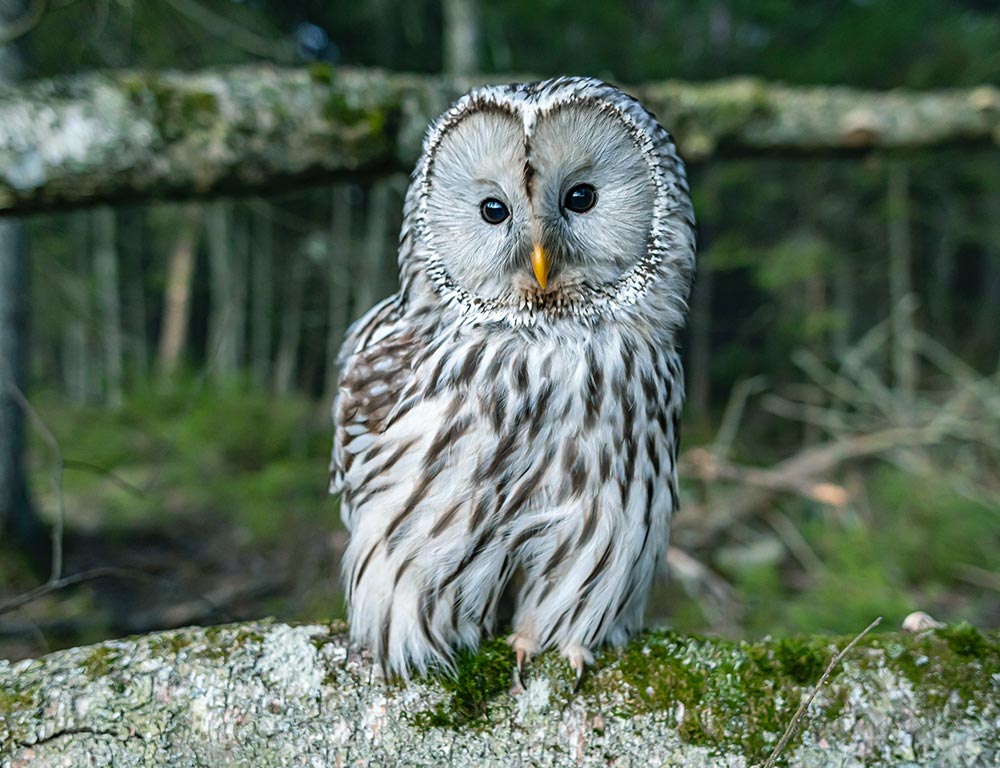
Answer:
(514, 429)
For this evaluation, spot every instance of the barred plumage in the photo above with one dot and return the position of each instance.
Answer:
(491, 421)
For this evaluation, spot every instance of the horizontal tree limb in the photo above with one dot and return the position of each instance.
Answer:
(133, 136)
(273, 694)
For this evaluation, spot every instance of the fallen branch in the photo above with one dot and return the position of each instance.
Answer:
(103, 137)
(271, 694)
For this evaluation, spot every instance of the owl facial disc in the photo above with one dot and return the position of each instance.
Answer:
(560, 194)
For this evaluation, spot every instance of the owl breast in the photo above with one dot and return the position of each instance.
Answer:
(469, 453)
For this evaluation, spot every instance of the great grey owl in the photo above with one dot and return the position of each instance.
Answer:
(513, 409)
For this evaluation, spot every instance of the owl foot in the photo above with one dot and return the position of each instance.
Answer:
(523, 646)
(578, 657)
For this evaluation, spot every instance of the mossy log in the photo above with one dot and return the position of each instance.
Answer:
(113, 136)
(268, 694)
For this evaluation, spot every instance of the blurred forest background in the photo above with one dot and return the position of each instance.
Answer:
(841, 449)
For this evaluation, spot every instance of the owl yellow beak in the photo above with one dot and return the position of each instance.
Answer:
(540, 262)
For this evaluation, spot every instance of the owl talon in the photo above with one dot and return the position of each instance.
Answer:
(518, 684)
(578, 657)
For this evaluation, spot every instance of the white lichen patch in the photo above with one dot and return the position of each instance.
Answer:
(534, 699)
(289, 661)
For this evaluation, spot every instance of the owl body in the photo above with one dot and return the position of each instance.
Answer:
(514, 408)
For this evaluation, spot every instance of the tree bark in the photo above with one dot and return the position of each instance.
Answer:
(106, 136)
(271, 694)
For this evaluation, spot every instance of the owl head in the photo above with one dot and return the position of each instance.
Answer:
(560, 197)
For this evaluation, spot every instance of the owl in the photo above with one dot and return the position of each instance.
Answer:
(509, 419)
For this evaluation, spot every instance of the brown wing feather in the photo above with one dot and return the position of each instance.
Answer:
(375, 367)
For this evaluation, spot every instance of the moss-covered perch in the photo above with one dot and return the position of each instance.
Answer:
(269, 694)
(110, 136)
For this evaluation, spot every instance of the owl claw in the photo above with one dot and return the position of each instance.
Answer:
(578, 658)
(518, 684)
(524, 646)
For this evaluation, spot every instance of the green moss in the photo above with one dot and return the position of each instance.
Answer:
(478, 678)
(321, 73)
(18, 699)
(727, 690)
(965, 640)
(336, 108)
(134, 87)
(803, 659)
(945, 666)
(177, 109)
(100, 662)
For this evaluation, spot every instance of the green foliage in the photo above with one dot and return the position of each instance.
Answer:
(909, 557)
(190, 451)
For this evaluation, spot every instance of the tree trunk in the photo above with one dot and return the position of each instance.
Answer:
(109, 305)
(376, 253)
(339, 274)
(461, 36)
(76, 332)
(844, 300)
(988, 322)
(287, 360)
(904, 357)
(225, 319)
(699, 367)
(264, 694)
(262, 297)
(135, 305)
(17, 514)
(177, 297)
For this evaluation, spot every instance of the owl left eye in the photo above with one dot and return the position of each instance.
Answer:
(493, 211)
(580, 198)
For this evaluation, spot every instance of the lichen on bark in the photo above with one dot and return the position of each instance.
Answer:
(273, 694)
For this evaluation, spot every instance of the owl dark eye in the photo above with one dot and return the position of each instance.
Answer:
(493, 211)
(580, 199)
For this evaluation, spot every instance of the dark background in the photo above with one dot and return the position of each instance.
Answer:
(190, 416)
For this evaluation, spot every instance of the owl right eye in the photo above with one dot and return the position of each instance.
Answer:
(493, 211)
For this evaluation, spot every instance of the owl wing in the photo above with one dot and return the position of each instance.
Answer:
(375, 369)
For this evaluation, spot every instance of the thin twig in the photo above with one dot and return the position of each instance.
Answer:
(110, 474)
(805, 704)
(232, 32)
(57, 471)
(54, 585)
(733, 415)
